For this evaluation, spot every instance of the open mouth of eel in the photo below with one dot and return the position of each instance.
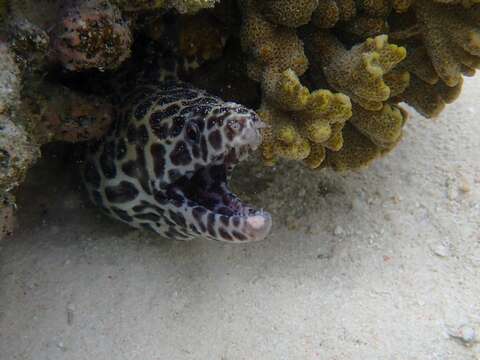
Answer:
(216, 211)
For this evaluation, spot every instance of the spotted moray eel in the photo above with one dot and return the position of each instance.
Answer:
(165, 164)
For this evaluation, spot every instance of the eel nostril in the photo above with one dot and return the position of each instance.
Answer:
(261, 125)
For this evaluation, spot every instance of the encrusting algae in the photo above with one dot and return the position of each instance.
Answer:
(326, 76)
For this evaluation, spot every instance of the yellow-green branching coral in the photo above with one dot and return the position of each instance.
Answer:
(383, 127)
(418, 63)
(366, 136)
(302, 121)
(429, 99)
(426, 92)
(375, 8)
(282, 138)
(358, 72)
(465, 3)
(182, 6)
(285, 90)
(347, 9)
(451, 35)
(401, 6)
(191, 6)
(326, 15)
(269, 45)
(362, 27)
(139, 5)
(290, 13)
(329, 12)
(357, 151)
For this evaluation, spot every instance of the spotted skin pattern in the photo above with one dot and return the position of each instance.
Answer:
(165, 163)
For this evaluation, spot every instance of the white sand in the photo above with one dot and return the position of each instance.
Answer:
(380, 264)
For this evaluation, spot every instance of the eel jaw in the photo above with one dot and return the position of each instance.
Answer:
(207, 189)
(224, 216)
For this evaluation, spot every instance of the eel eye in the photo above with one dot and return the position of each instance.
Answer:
(234, 125)
(193, 133)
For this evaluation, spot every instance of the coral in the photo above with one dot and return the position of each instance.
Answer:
(402, 6)
(357, 151)
(302, 122)
(269, 46)
(307, 125)
(298, 118)
(374, 8)
(429, 99)
(182, 6)
(191, 6)
(362, 27)
(346, 9)
(369, 75)
(326, 15)
(427, 93)
(443, 46)
(367, 135)
(451, 35)
(281, 138)
(384, 127)
(358, 72)
(139, 5)
(91, 34)
(291, 13)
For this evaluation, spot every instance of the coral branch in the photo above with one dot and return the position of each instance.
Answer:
(191, 6)
(269, 45)
(290, 13)
(451, 36)
(357, 151)
(383, 127)
(308, 120)
(326, 14)
(358, 72)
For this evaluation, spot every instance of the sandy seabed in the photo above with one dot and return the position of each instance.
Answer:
(378, 264)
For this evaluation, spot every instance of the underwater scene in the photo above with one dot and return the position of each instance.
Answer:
(329, 148)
